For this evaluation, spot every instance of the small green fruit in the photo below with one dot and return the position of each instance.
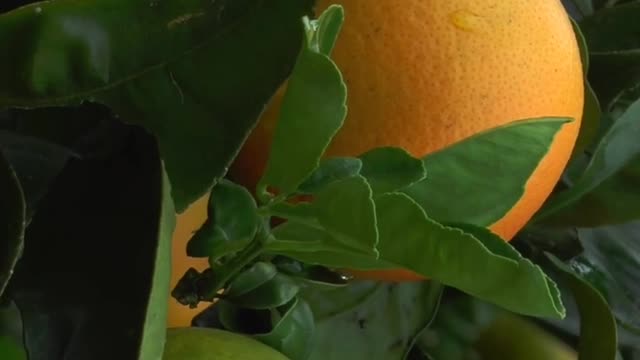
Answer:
(191, 343)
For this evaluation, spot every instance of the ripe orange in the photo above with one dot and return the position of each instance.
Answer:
(186, 224)
(424, 74)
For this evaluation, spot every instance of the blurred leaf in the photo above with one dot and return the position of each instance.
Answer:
(369, 321)
(485, 187)
(257, 275)
(616, 149)
(191, 60)
(275, 292)
(330, 170)
(389, 169)
(615, 201)
(312, 112)
(611, 34)
(12, 221)
(293, 332)
(598, 338)
(84, 282)
(155, 323)
(36, 163)
(231, 224)
(611, 263)
(326, 29)
(11, 339)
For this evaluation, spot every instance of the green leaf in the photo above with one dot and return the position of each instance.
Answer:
(330, 170)
(197, 74)
(155, 324)
(327, 28)
(598, 340)
(616, 149)
(346, 209)
(293, 332)
(231, 224)
(371, 321)
(312, 112)
(389, 169)
(275, 292)
(455, 258)
(486, 173)
(257, 275)
(12, 221)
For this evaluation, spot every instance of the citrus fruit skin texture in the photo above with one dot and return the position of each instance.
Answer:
(186, 224)
(190, 343)
(425, 74)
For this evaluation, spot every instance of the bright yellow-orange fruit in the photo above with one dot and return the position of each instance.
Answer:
(424, 74)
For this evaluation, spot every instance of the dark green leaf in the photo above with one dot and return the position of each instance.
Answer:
(330, 170)
(293, 332)
(36, 164)
(185, 70)
(11, 339)
(12, 221)
(616, 149)
(615, 201)
(369, 321)
(614, 49)
(98, 230)
(231, 225)
(389, 169)
(312, 112)
(598, 340)
(485, 186)
(257, 275)
(611, 263)
(327, 30)
(275, 292)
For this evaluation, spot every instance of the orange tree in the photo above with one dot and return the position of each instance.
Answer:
(362, 142)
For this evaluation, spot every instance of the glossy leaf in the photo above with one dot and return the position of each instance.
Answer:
(275, 292)
(312, 112)
(232, 222)
(330, 170)
(617, 148)
(598, 340)
(485, 185)
(185, 70)
(12, 221)
(389, 169)
(155, 323)
(257, 275)
(11, 332)
(371, 321)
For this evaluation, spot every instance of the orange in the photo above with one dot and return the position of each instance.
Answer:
(186, 224)
(425, 74)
